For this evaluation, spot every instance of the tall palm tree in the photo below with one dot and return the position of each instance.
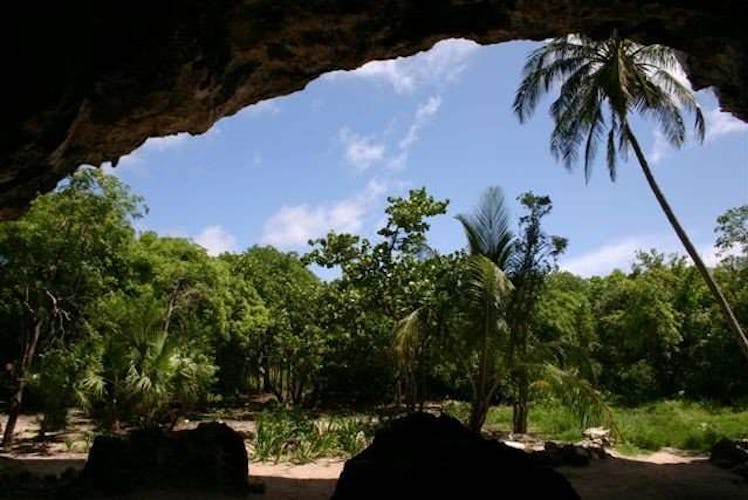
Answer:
(602, 83)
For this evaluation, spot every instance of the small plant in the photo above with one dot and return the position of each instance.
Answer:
(69, 444)
(88, 439)
(296, 436)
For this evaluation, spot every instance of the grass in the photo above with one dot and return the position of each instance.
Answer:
(677, 424)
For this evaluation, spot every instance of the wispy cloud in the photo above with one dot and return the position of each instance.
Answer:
(361, 151)
(293, 226)
(720, 123)
(424, 113)
(135, 162)
(267, 107)
(442, 64)
(216, 240)
(622, 254)
(165, 143)
(602, 260)
(660, 149)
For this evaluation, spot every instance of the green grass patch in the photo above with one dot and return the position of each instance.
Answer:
(677, 424)
(293, 435)
(682, 425)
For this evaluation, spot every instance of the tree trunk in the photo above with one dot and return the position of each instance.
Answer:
(478, 412)
(23, 371)
(519, 417)
(13, 412)
(732, 321)
(520, 408)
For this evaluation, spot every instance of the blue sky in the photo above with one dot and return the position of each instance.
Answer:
(292, 168)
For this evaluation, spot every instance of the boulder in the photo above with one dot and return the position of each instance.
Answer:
(425, 456)
(556, 455)
(731, 454)
(598, 435)
(211, 457)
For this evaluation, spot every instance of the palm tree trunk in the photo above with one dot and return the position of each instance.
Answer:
(732, 321)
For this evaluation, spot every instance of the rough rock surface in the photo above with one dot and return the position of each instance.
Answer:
(87, 82)
(732, 455)
(424, 456)
(211, 457)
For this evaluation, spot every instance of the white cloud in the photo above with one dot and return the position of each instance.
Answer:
(165, 143)
(622, 254)
(364, 152)
(293, 226)
(719, 123)
(443, 63)
(216, 240)
(604, 259)
(661, 148)
(424, 113)
(266, 107)
(361, 151)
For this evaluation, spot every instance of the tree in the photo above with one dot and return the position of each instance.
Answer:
(495, 333)
(381, 281)
(490, 246)
(72, 246)
(602, 84)
(289, 350)
(732, 234)
(532, 258)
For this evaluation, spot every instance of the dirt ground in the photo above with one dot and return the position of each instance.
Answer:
(666, 474)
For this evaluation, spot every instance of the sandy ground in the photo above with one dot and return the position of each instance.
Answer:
(667, 474)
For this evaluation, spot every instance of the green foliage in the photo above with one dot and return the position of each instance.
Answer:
(380, 283)
(678, 424)
(144, 373)
(286, 353)
(296, 436)
(138, 330)
(72, 246)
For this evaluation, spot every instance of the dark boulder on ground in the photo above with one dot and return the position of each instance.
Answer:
(424, 456)
(209, 458)
(556, 455)
(732, 455)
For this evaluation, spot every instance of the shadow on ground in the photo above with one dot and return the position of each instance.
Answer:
(40, 466)
(610, 479)
(285, 488)
(618, 478)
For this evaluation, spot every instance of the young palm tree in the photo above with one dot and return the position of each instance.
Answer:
(484, 344)
(602, 83)
(490, 245)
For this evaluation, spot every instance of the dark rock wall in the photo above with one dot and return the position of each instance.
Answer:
(87, 81)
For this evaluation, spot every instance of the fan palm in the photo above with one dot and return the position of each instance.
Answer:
(143, 370)
(602, 83)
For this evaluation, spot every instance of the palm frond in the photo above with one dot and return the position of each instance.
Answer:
(578, 396)
(487, 228)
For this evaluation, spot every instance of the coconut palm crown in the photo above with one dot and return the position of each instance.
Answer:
(601, 83)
